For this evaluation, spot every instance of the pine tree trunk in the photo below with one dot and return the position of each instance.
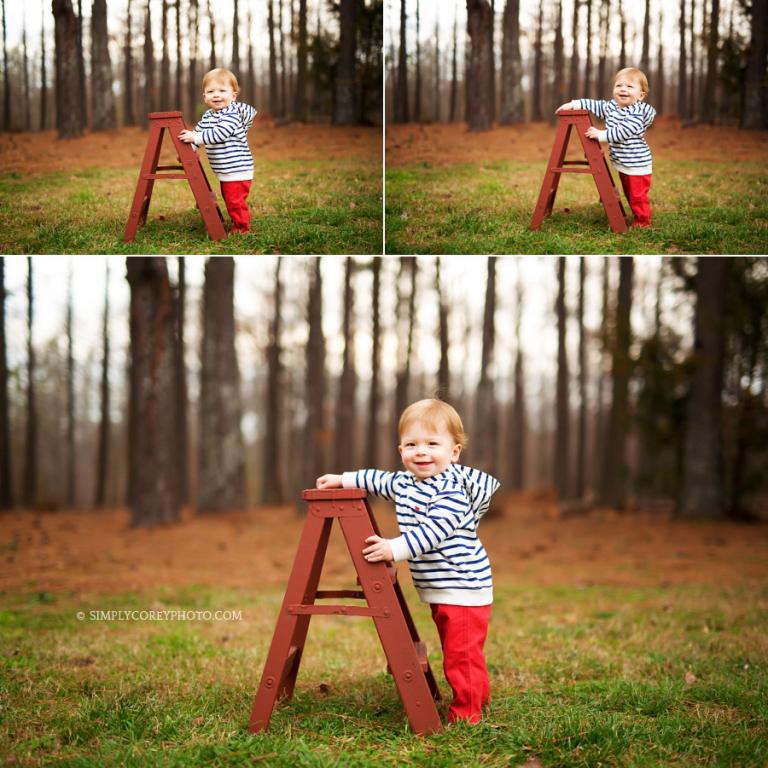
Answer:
(443, 373)
(517, 437)
(129, 116)
(6, 78)
(274, 96)
(179, 94)
(314, 384)
(153, 491)
(193, 81)
(478, 106)
(102, 456)
(272, 491)
(682, 69)
(25, 71)
(69, 109)
(614, 460)
(345, 112)
(182, 399)
(165, 64)
(581, 442)
(492, 65)
(573, 82)
(511, 65)
(755, 113)
(81, 64)
(598, 475)
(300, 101)
(6, 483)
(221, 466)
(149, 69)
(660, 72)
(103, 115)
(645, 58)
(692, 86)
(43, 74)
(401, 91)
(536, 113)
(346, 403)
(702, 489)
(417, 94)
(486, 428)
(708, 102)
(236, 37)
(71, 450)
(371, 453)
(212, 59)
(437, 70)
(29, 493)
(588, 62)
(406, 311)
(562, 426)
(559, 64)
(454, 70)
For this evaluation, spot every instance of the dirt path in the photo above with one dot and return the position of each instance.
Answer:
(443, 144)
(38, 153)
(95, 552)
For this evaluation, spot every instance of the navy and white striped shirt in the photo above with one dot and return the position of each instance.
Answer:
(625, 133)
(438, 520)
(223, 133)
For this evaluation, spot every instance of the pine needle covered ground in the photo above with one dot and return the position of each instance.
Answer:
(449, 191)
(615, 640)
(316, 189)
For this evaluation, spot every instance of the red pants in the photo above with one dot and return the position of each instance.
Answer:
(462, 630)
(636, 189)
(235, 194)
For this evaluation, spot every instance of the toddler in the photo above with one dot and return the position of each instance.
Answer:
(439, 504)
(223, 130)
(626, 118)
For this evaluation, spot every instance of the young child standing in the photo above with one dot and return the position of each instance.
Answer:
(627, 117)
(439, 504)
(223, 131)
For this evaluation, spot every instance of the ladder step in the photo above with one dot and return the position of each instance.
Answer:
(326, 593)
(300, 609)
(571, 170)
(164, 176)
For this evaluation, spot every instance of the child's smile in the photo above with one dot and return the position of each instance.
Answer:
(627, 91)
(426, 451)
(218, 95)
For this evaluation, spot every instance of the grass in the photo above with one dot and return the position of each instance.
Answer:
(301, 207)
(698, 207)
(580, 676)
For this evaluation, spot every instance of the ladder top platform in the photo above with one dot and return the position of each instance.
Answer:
(316, 494)
(160, 115)
(573, 112)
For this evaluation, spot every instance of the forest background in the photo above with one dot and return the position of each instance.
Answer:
(501, 69)
(95, 71)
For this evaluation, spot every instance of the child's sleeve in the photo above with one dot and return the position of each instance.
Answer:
(224, 128)
(449, 511)
(247, 112)
(633, 124)
(595, 106)
(374, 481)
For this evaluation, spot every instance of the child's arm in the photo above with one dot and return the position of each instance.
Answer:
(226, 126)
(247, 112)
(449, 511)
(372, 480)
(635, 121)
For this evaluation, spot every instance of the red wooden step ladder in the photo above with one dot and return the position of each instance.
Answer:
(192, 169)
(385, 604)
(595, 163)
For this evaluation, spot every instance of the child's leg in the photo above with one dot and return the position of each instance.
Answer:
(462, 631)
(235, 194)
(636, 190)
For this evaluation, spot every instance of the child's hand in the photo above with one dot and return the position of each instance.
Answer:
(379, 550)
(592, 132)
(327, 482)
(567, 105)
(188, 137)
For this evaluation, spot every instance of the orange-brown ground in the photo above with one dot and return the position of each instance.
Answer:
(444, 144)
(39, 153)
(95, 551)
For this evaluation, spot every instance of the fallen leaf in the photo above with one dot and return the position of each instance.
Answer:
(690, 678)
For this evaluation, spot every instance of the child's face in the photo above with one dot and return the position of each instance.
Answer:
(218, 94)
(627, 91)
(426, 451)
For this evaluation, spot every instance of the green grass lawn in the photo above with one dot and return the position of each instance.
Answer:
(674, 676)
(698, 207)
(322, 206)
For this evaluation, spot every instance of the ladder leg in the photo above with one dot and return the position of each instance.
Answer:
(284, 657)
(144, 185)
(392, 627)
(201, 189)
(609, 194)
(551, 177)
